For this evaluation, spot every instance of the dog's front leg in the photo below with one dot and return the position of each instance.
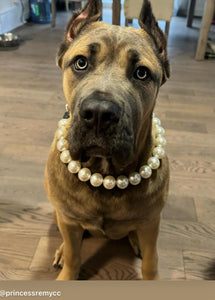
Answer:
(72, 234)
(147, 238)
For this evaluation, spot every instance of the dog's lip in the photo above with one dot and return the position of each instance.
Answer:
(96, 151)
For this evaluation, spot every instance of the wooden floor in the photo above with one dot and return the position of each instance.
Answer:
(32, 102)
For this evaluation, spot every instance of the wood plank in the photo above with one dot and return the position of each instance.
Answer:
(180, 208)
(196, 139)
(187, 235)
(17, 251)
(174, 258)
(192, 186)
(21, 218)
(20, 274)
(190, 167)
(205, 209)
(44, 254)
(198, 265)
(185, 126)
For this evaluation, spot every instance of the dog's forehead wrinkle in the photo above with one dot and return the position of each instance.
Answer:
(94, 47)
(133, 54)
(109, 40)
(119, 36)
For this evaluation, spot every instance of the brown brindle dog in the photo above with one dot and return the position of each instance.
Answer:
(111, 78)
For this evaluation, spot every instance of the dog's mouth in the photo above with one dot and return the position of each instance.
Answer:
(104, 161)
(115, 148)
(97, 159)
(94, 152)
(101, 159)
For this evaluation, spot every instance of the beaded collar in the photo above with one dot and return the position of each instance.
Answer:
(109, 182)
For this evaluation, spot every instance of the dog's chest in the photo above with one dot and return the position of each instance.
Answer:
(112, 217)
(110, 228)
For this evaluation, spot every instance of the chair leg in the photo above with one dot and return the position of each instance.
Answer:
(53, 9)
(128, 21)
(205, 28)
(190, 13)
(167, 29)
(67, 5)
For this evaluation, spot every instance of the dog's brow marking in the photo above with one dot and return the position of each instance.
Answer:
(109, 40)
(68, 63)
(133, 56)
(94, 48)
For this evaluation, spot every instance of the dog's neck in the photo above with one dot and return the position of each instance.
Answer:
(145, 144)
(107, 166)
(150, 151)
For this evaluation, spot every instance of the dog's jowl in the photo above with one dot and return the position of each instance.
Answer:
(107, 171)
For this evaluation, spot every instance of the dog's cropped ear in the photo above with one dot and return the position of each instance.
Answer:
(92, 12)
(148, 22)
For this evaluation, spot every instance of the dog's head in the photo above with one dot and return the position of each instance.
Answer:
(111, 77)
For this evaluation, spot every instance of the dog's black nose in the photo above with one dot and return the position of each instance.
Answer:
(100, 114)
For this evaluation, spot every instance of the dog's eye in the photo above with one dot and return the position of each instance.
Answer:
(141, 73)
(80, 63)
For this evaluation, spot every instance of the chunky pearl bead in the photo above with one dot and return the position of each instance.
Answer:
(160, 140)
(145, 171)
(156, 121)
(159, 152)
(65, 157)
(74, 166)
(153, 163)
(159, 130)
(109, 182)
(61, 133)
(84, 174)
(96, 179)
(122, 182)
(63, 123)
(62, 145)
(134, 178)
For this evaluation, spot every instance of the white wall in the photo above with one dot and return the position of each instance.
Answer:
(13, 13)
(199, 9)
(5, 5)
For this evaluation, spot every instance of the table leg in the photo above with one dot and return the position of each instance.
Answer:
(191, 8)
(205, 27)
(53, 9)
(116, 9)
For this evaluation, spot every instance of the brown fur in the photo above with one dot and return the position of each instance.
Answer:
(117, 213)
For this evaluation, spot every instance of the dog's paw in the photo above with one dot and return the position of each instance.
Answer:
(59, 257)
(134, 244)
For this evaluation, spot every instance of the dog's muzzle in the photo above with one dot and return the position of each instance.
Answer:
(100, 115)
(101, 128)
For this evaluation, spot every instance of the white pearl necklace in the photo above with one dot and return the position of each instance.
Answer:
(109, 182)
